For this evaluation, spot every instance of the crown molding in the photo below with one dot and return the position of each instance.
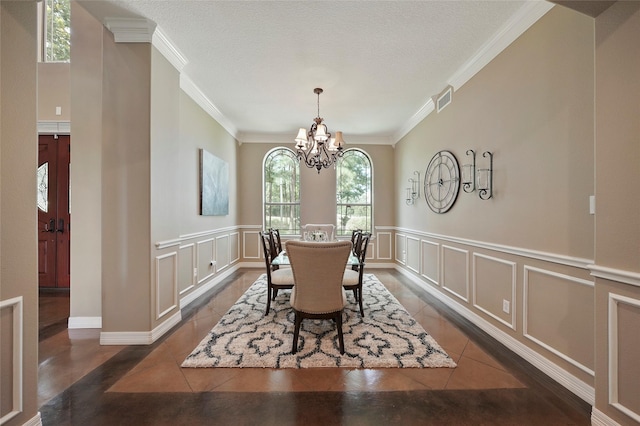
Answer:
(528, 15)
(189, 87)
(160, 41)
(130, 30)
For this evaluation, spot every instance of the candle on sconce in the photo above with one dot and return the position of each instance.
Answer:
(483, 179)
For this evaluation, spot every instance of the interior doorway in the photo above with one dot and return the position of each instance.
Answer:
(54, 227)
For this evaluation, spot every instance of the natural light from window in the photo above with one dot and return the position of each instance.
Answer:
(354, 189)
(281, 191)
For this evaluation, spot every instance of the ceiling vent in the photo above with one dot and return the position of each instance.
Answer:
(444, 99)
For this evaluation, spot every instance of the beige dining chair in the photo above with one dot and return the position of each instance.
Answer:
(352, 279)
(318, 269)
(277, 279)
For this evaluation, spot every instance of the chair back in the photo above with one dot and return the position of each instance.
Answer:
(267, 250)
(318, 269)
(355, 235)
(363, 243)
(276, 242)
(329, 228)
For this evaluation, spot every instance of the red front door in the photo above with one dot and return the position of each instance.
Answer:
(53, 212)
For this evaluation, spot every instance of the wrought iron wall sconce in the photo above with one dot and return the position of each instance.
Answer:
(469, 173)
(485, 179)
(413, 193)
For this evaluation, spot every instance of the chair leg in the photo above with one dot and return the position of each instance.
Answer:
(340, 337)
(268, 301)
(296, 332)
(355, 293)
(275, 294)
(360, 301)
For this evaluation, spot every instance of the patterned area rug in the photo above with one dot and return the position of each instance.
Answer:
(387, 336)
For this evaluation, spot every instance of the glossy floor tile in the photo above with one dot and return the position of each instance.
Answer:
(81, 381)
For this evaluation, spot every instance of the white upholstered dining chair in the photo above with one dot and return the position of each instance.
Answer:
(318, 270)
(328, 228)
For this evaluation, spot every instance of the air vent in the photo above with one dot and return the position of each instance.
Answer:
(444, 99)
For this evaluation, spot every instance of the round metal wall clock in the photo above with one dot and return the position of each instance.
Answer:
(442, 181)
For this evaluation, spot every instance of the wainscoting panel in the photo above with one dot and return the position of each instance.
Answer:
(401, 249)
(413, 254)
(222, 252)
(166, 283)
(206, 254)
(251, 245)
(187, 268)
(234, 247)
(558, 314)
(455, 271)
(11, 338)
(384, 249)
(494, 284)
(431, 261)
(624, 353)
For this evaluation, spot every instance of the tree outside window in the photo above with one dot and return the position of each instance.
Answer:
(57, 30)
(354, 192)
(282, 191)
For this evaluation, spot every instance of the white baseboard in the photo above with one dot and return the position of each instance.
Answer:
(598, 418)
(566, 379)
(84, 322)
(139, 337)
(34, 421)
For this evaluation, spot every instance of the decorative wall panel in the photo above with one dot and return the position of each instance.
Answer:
(401, 249)
(413, 254)
(431, 261)
(187, 268)
(166, 283)
(206, 255)
(558, 314)
(251, 245)
(624, 353)
(384, 248)
(494, 284)
(222, 252)
(455, 271)
(234, 247)
(11, 338)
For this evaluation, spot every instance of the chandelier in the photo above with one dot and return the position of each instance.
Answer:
(316, 146)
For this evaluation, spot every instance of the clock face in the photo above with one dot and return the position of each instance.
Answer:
(442, 181)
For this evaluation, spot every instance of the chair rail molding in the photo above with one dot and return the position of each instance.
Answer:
(612, 274)
(560, 259)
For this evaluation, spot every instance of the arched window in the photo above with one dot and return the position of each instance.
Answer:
(281, 191)
(354, 192)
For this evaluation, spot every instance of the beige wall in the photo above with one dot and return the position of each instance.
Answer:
(532, 107)
(18, 220)
(53, 91)
(617, 254)
(126, 185)
(86, 170)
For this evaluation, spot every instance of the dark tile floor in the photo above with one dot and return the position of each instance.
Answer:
(83, 383)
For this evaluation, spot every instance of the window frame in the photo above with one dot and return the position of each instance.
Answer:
(43, 34)
(265, 204)
(347, 232)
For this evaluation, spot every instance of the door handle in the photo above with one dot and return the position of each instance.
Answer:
(60, 226)
(51, 226)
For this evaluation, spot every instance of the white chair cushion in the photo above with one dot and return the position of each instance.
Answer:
(350, 277)
(282, 276)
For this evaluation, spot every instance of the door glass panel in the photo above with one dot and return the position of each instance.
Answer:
(43, 187)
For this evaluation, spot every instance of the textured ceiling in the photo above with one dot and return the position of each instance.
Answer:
(379, 62)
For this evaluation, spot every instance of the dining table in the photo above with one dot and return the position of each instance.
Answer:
(282, 259)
